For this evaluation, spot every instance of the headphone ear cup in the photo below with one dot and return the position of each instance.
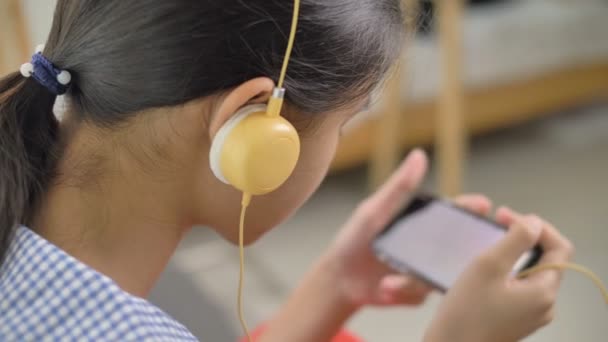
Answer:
(220, 138)
(255, 152)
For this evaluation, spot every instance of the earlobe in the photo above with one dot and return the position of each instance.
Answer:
(255, 91)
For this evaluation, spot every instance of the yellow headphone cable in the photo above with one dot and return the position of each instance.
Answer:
(244, 204)
(274, 108)
(572, 267)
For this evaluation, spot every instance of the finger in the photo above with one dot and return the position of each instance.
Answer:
(556, 250)
(506, 216)
(522, 236)
(400, 298)
(558, 247)
(399, 282)
(476, 203)
(402, 289)
(386, 202)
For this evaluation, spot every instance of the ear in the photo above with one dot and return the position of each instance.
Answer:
(257, 90)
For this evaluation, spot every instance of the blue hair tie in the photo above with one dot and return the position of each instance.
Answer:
(57, 81)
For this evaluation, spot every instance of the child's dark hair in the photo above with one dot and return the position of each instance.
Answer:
(128, 56)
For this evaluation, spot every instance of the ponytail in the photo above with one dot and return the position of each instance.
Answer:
(28, 141)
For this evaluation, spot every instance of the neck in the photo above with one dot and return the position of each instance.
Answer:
(125, 225)
(126, 241)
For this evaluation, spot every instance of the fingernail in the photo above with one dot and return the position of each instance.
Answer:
(535, 224)
(398, 282)
(418, 151)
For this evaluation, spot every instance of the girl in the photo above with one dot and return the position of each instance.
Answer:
(92, 207)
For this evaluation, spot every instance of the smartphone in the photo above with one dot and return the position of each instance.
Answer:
(436, 240)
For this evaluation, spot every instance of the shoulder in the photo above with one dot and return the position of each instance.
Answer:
(47, 294)
(133, 319)
(145, 321)
(105, 316)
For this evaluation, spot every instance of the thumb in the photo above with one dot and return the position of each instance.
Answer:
(387, 201)
(522, 236)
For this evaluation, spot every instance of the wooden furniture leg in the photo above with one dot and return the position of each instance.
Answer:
(451, 139)
(386, 151)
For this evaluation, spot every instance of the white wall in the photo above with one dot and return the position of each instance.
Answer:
(39, 17)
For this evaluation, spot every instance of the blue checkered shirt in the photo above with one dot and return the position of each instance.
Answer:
(47, 295)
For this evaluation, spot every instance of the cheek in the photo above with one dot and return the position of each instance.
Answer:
(317, 154)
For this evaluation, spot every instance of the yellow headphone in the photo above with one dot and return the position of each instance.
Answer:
(257, 149)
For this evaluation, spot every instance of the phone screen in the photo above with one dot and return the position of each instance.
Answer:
(437, 241)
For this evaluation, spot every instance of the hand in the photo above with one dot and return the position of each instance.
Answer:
(361, 277)
(488, 304)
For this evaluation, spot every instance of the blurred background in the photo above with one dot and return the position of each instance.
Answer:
(510, 97)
